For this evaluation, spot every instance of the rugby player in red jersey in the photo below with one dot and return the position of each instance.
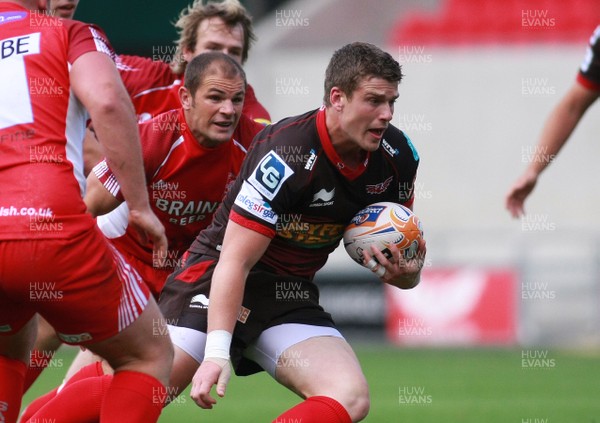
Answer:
(190, 159)
(560, 125)
(52, 69)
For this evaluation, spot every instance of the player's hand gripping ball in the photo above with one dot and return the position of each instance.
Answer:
(383, 224)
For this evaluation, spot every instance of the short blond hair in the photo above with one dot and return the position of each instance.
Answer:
(230, 11)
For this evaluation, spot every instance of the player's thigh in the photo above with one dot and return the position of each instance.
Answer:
(143, 346)
(310, 360)
(322, 366)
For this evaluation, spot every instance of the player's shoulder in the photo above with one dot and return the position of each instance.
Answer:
(128, 63)
(397, 144)
(589, 70)
(291, 129)
(163, 130)
(290, 138)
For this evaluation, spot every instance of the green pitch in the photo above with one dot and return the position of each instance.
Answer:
(529, 385)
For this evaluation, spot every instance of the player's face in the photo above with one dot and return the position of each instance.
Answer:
(365, 116)
(63, 8)
(214, 111)
(214, 35)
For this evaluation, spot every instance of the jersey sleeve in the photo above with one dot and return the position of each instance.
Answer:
(142, 73)
(84, 38)
(589, 71)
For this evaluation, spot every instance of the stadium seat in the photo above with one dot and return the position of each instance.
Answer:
(477, 22)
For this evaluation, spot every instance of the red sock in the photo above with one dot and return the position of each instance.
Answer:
(12, 379)
(91, 370)
(133, 397)
(77, 402)
(316, 410)
(37, 403)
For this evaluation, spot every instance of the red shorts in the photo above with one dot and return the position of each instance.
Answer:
(153, 276)
(82, 286)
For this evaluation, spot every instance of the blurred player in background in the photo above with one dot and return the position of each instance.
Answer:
(153, 85)
(52, 69)
(215, 26)
(190, 159)
(247, 282)
(560, 125)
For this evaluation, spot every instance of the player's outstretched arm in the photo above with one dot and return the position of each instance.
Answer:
(96, 83)
(558, 128)
(242, 248)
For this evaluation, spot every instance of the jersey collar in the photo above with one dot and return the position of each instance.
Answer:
(332, 155)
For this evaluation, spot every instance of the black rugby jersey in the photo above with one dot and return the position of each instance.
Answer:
(294, 188)
(589, 72)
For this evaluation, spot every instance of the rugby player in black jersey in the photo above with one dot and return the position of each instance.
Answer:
(246, 285)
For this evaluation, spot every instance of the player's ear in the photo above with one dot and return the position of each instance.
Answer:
(187, 54)
(185, 97)
(337, 98)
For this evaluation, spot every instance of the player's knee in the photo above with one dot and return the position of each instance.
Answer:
(357, 401)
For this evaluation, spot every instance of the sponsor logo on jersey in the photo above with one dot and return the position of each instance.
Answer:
(380, 187)
(8, 17)
(182, 212)
(22, 45)
(389, 149)
(251, 201)
(243, 314)
(322, 198)
(74, 338)
(270, 174)
(316, 235)
(311, 160)
(199, 301)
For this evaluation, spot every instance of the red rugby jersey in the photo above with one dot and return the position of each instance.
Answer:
(186, 184)
(42, 124)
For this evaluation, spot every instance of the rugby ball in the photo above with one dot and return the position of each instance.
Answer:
(383, 224)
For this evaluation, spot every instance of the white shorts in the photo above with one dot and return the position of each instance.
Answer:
(265, 351)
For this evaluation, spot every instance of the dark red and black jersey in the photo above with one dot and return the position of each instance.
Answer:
(294, 188)
(589, 72)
